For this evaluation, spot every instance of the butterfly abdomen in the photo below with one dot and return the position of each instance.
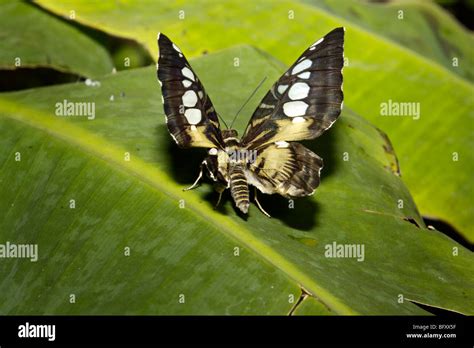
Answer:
(239, 188)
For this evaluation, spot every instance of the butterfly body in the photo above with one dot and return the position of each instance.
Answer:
(302, 104)
(227, 166)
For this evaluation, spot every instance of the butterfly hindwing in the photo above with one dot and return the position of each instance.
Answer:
(289, 169)
(190, 115)
(306, 100)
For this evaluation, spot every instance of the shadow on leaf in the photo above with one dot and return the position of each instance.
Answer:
(300, 213)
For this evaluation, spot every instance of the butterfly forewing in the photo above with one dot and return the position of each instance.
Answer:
(306, 100)
(190, 115)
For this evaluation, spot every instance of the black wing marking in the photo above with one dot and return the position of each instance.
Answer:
(190, 115)
(306, 100)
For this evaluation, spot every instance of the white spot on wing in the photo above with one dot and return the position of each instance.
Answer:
(282, 88)
(330, 125)
(193, 116)
(299, 90)
(295, 108)
(304, 75)
(174, 138)
(188, 73)
(187, 83)
(176, 48)
(305, 64)
(190, 98)
(213, 151)
(318, 42)
(298, 120)
(200, 94)
(282, 144)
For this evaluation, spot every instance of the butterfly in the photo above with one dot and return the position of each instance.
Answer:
(304, 102)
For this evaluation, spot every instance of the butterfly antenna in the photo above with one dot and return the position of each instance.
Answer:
(248, 99)
(223, 121)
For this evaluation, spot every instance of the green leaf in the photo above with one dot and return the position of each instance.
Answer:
(310, 306)
(32, 38)
(421, 26)
(191, 250)
(378, 71)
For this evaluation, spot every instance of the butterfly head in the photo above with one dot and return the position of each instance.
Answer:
(229, 133)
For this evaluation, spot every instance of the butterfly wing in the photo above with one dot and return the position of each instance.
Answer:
(190, 115)
(306, 100)
(289, 169)
(302, 104)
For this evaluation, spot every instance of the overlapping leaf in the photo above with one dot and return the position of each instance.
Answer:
(32, 38)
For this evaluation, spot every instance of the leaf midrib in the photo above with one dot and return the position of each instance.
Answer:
(148, 174)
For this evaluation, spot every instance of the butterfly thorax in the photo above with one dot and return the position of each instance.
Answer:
(232, 147)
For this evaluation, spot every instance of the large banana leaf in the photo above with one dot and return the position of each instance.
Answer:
(179, 245)
(32, 38)
(421, 26)
(434, 150)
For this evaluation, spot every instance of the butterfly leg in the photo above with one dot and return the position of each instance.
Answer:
(220, 189)
(219, 200)
(259, 206)
(196, 182)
